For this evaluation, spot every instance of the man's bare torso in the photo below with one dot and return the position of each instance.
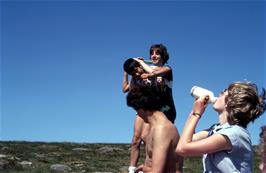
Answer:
(170, 136)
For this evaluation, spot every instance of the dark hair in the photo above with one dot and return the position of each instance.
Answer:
(130, 65)
(162, 51)
(262, 145)
(145, 97)
(244, 103)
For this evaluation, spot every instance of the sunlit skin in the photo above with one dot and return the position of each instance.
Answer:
(226, 146)
(146, 72)
(156, 58)
(160, 143)
(191, 144)
(157, 61)
(138, 71)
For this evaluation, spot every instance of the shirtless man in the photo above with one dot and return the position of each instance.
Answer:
(158, 72)
(163, 136)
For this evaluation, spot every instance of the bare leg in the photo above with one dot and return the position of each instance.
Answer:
(136, 141)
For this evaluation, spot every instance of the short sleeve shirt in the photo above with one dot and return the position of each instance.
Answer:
(165, 82)
(239, 159)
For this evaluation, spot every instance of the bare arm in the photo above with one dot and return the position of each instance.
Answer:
(156, 72)
(200, 135)
(161, 70)
(139, 127)
(145, 66)
(188, 147)
(125, 83)
(152, 72)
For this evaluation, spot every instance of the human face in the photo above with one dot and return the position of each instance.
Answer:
(220, 105)
(138, 71)
(156, 57)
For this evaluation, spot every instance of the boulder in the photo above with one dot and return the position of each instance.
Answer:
(60, 168)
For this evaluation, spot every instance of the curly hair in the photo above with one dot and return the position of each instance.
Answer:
(262, 145)
(145, 97)
(243, 103)
(130, 65)
(162, 51)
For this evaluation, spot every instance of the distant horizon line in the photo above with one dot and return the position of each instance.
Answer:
(32, 141)
(71, 142)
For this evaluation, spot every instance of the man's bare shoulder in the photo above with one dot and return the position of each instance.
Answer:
(165, 129)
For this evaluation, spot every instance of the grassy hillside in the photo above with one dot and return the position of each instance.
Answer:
(40, 157)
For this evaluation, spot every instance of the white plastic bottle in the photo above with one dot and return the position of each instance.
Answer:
(197, 91)
(148, 61)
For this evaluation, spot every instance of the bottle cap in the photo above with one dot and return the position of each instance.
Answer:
(212, 99)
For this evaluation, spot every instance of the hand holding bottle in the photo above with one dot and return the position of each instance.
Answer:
(198, 92)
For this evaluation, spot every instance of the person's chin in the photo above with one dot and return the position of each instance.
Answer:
(215, 108)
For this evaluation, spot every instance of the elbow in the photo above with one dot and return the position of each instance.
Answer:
(182, 151)
(125, 89)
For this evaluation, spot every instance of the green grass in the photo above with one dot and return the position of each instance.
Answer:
(94, 159)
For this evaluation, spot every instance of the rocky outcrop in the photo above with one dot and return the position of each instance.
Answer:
(60, 168)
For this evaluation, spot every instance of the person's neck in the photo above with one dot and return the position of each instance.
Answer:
(154, 116)
(159, 64)
(223, 117)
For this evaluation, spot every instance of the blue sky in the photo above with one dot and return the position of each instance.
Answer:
(61, 62)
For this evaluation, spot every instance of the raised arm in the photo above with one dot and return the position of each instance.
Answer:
(189, 147)
(199, 135)
(145, 66)
(125, 83)
(152, 72)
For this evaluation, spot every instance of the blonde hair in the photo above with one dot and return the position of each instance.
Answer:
(244, 103)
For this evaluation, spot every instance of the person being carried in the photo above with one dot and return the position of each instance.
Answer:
(141, 129)
(142, 73)
(226, 147)
(163, 136)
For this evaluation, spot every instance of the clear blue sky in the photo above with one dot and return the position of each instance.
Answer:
(61, 62)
